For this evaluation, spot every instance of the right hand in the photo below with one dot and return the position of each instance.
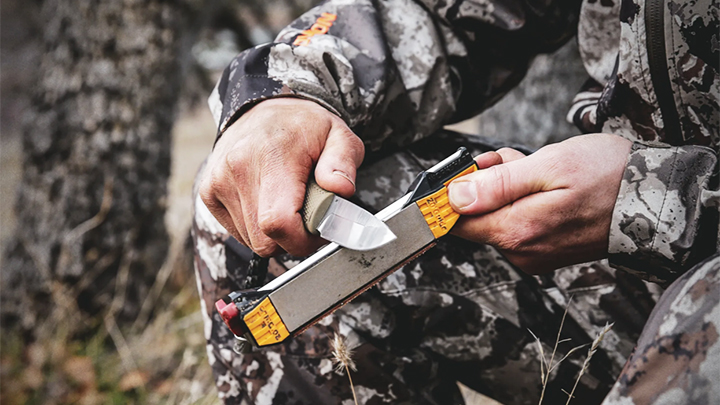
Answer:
(254, 182)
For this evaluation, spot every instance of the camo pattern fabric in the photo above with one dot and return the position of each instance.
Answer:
(630, 104)
(396, 70)
(662, 190)
(677, 360)
(459, 313)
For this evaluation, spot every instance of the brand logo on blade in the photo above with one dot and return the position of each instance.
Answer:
(321, 26)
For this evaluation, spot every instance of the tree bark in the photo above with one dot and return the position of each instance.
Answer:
(96, 142)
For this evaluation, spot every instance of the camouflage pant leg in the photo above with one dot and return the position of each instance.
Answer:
(460, 312)
(677, 359)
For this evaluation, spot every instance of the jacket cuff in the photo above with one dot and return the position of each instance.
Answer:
(245, 82)
(657, 214)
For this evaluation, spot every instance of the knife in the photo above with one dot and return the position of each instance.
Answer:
(338, 220)
(334, 275)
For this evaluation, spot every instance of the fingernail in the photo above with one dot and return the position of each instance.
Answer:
(345, 176)
(462, 193)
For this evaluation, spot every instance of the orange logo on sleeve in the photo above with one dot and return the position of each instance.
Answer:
(321, 26)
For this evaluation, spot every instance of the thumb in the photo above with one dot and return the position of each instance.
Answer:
(338, 162)
(487, 190)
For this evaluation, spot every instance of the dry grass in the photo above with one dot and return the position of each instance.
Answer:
(593, 348)
(342, 356)
(164, 362)
(547, 366)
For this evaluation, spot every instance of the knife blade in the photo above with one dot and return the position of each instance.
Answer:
(334, 275)
(338, 220)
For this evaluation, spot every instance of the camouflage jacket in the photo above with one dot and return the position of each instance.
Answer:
(397, 70)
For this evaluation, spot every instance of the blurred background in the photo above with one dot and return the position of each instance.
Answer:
(103, 125)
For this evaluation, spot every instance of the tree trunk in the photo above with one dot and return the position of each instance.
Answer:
(96, 142)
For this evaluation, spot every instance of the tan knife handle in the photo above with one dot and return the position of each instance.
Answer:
(317, 202)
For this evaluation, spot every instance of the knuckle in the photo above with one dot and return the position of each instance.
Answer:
(208, 194)
(356, 146)
(239, 160)
(273, 223)
(218, 188)
(500, 182)
(352, 139)
(213, 183)
(510, 154)
(236, 162)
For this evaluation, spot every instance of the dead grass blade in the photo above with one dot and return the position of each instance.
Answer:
(549, 366)
(591, 352)
(543, 360)
(343, 359)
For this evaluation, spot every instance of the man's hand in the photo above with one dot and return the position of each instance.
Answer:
(547, 210)
(254, 182)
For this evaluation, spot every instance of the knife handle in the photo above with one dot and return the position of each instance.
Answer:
(430, 193)
(317, 201)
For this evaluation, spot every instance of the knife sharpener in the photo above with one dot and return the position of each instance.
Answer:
(333, 276)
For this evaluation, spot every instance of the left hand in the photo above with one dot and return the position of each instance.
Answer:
(547, 210)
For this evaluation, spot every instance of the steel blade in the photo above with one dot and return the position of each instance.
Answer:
(353, 227)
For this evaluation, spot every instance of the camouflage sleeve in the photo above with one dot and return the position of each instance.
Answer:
(400, 67)
(666, 215)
